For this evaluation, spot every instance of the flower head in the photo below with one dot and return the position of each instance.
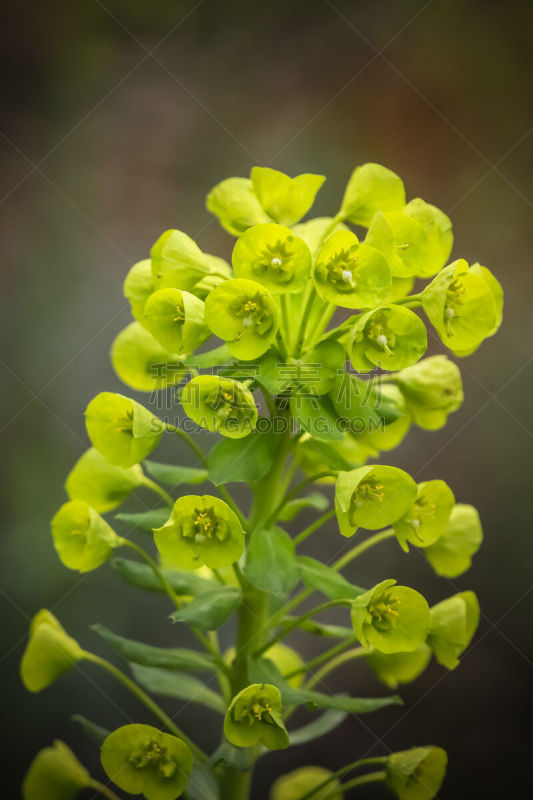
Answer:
(372, 188)
(82, 538)
(372, 497)
(141, 759)
(175, 318)
(453, 623)
(273, 256)
(416, 774)
(49, 653)
(286, 200)
(432, 389)
(391, 337)
(426, 520)
(201, 530)
(451, 555)
(221, 405)
(101, 484)
(235, 204)
(390, 618)
(254, 716)
(121, 429)
(178, 262)
(142, 363)
(55, 774)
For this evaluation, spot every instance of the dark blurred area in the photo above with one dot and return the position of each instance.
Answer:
(118, 117)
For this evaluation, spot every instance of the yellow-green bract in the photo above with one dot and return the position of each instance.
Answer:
(101, 484)
(391, 337)
(138, 287)
(82, 538)
(390, 618)
(393, 669)
(371, 188)
(121, 429)
(178, 263)
(221, 405)
(142, 363)
(235, 203)
(425, 521)
(272, 255)
(49, 653)
(432, 389)
(200, 530)
(285, 200)
(304, 781)
(176, 319)
(143, 760)
(55, 774)
(451, 555)
(372, 497)
(453, 623)
(416, 774)
(254, 716)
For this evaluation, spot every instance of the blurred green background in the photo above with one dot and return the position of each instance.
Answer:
(118, 117)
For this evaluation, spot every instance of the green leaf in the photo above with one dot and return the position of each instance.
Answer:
(323, 724)
(229, 755)
(270, 561)
(96, 732)
(314, 500)
(231, 460)
(323, 629)
(177, 684)
(171, 658)
(210, 610)
(175, 476)
(145, 521)
(325, 579)
(211, 358)
(202, 785)
(142, 576)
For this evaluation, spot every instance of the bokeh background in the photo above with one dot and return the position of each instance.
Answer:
(118, 117)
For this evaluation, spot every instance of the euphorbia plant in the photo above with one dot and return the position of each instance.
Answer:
(299, 395)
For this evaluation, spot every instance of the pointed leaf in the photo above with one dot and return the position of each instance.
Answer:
(177, 684)
(325, 579)
(202, 785)
(323, 724)
(172, 658)
(315, 500)
(270, 561)
(209, 610)
(233, 460)
(174, 476)
(229, 755)
(94, 731)
(142, 576)
(145, 520)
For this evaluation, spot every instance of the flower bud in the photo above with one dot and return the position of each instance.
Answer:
(391, 429)
(393, 669)
(390, 337)
(416, 774)
(82, 538)
(55, 774)
(49, 653)
(432, 390)
(273, 256)
(390, 618)
(254, 716)
(142, 363)
(243, 313)
(371, 188)
(285, 200)
(304, 781)
(138, 287)
(221, 405)
(201, 530)
(235, 204)
(461, 304)
(427, 518)
(143, 760)
(453, 623)
(372, 497)
(178, 262)
(350, 274)
(452, 554)
(99, 483)
(438, 229)
(121, 429)
(175, 319)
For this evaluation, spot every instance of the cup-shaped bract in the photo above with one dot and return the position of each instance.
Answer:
(175, 318)
(497, 292)
(314, 232)
(82, 538)
(400, 288)
(243, 313)
(285, 200)
(388, 433)
(221, 405)
(305, 781)
(350, 274)
(390, 618)
(371, 188)
(286, 660)
(432, 389)
(403, 242)
(426, 520)
(49, 653)
(390, 337)
(394, 669)
(138, 287)
(101, 484)
(121, 429)
(416, 774)
(254, 716)
(453, 623)
(372, 497)
(272, 255)
(55, 774)
(142, 363)
(451, 555)
(235, 203)
(178, 262)
(143, 760)
(201, 530)
(438, 229)
(462, 306)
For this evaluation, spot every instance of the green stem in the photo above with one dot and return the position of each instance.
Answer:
(364, 762)
(325, 656)
(363, 547)
(413, 298)
(297, 489)
(154, 487)
(285, 322)
(104, 790)
(342, 658)
(372, 777)
(314, 527)
(190, 441)
(148, 702)
(307, 305)
(320, 325)
(294, 623)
